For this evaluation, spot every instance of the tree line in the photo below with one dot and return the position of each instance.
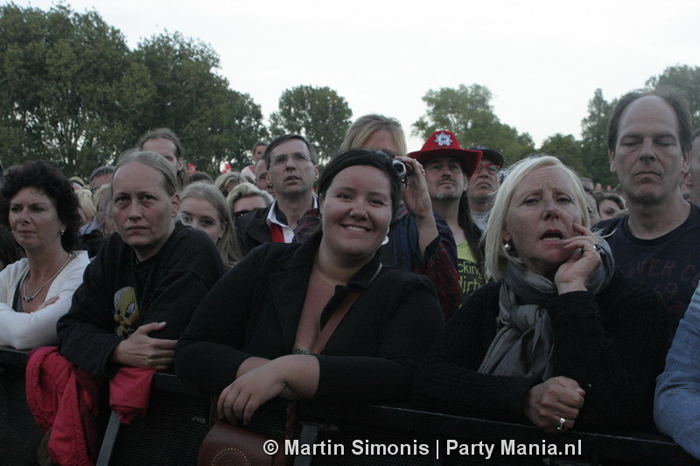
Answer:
(74, 94)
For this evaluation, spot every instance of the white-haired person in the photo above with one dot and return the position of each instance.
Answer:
(559, 338)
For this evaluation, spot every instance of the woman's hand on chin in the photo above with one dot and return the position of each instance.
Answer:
(553, 400)
(248, 392)
(573, 274)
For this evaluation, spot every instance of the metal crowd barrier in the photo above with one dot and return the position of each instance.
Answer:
(176, 423)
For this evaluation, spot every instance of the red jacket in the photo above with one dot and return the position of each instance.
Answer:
(64, 398)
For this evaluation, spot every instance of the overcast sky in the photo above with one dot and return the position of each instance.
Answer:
(541, 59)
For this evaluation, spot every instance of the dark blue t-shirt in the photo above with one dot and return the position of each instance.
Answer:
(669, 265)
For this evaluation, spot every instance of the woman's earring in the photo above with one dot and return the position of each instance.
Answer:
(507, 247)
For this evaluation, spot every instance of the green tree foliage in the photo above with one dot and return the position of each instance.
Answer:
(567, 149)
(467, 112)
(317, 113)
(685, 78)
(594, 144)
(67, 88)
(214, 123)
(72, 93)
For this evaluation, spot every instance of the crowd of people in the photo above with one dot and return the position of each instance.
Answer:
(439, 277)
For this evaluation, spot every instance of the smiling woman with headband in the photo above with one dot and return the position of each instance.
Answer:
(560, 338)
(253, 336)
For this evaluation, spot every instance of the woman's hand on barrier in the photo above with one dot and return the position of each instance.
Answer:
(140, 350)
(553, 400)
(248, 392)
(292, 377)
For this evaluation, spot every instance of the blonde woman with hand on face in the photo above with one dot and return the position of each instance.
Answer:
(559, 339)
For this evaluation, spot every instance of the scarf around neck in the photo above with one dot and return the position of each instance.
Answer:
(523, 345)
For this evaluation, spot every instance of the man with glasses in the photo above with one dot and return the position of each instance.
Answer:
(292, 170)
(483, 185)
(165, 142)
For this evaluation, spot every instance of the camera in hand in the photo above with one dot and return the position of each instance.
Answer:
(402, 170)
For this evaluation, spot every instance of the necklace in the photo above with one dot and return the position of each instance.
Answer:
(28, 298)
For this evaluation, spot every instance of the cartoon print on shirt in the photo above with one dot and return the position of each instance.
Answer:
(126, 311)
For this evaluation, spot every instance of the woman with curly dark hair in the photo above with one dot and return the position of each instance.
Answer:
(39, 206)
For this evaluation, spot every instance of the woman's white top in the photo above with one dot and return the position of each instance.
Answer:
(23, 330)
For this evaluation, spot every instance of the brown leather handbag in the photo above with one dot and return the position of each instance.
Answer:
(228, 445)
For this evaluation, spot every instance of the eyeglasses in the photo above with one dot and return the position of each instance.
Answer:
(281, 159)
(492, 169)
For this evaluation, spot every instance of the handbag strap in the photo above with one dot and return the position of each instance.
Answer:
(323, 337)
(338, 316)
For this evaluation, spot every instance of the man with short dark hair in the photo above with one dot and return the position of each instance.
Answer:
(483, 185)
(165, 142)
(100, 176)
(657, 243)
(292, 171)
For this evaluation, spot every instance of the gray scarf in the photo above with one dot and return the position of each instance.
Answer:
(523, 346)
